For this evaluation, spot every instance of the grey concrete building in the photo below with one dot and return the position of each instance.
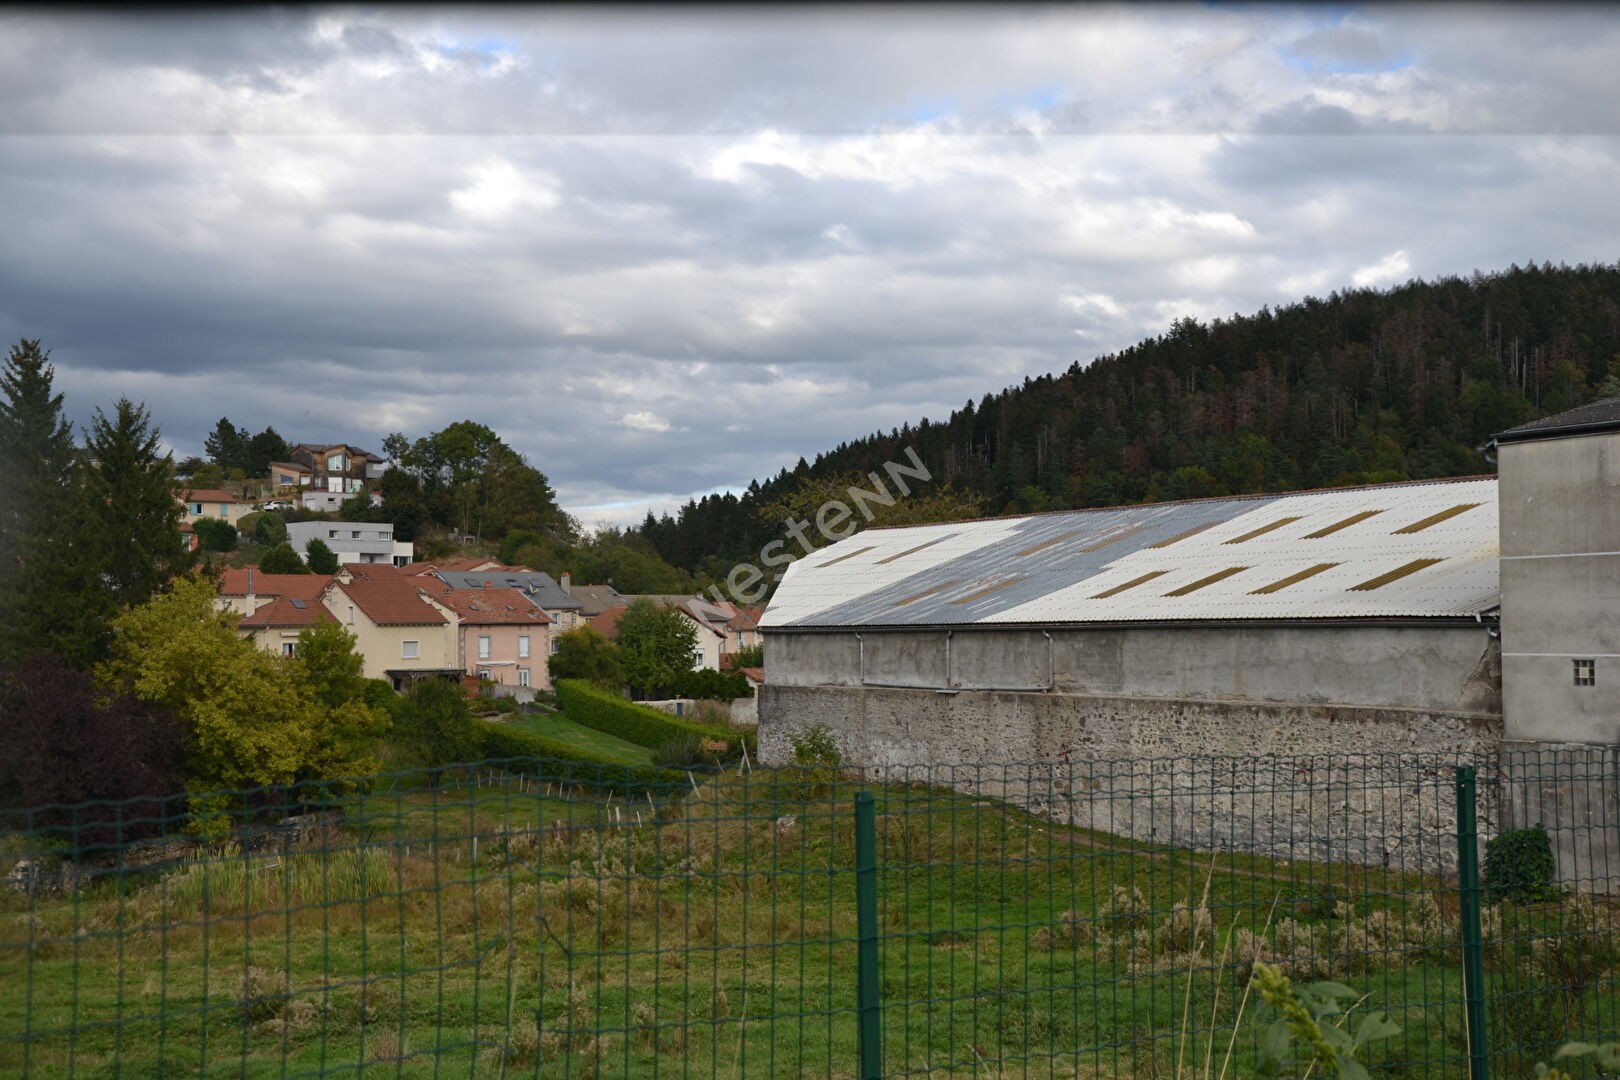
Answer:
(352, 541)
(1560, 507)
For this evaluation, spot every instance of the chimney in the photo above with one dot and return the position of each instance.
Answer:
(488, 584)
(565, 581)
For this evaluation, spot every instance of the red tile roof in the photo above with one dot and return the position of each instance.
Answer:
(607, 623)
(283, 612)
(304, 586)
(391, 599)
(754, 674)
(489, 607)
(468, 565)
(208, 495)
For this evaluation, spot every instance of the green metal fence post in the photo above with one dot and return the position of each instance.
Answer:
(1473, 953)
(866, 972)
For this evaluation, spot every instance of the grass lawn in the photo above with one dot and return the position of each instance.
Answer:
(559, 727)
(490, 927)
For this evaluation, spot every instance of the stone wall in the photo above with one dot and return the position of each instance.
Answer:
(1369, 785)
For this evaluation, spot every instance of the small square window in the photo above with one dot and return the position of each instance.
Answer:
(408, 650)
(287, 648)
(1586, 673)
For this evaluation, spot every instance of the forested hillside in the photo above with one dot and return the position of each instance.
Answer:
(1361, 387)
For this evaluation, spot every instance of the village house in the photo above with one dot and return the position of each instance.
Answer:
(402, 631)
(213, 503)
(503, 636)
(339, 467)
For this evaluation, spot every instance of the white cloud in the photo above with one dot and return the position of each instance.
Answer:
(644, 421)
(590, 230)
(1392, 268)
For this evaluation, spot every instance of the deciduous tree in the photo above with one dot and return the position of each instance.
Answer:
(657, 645)
(583, 653)
(254, 718)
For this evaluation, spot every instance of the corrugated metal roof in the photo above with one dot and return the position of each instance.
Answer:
(1396, 550)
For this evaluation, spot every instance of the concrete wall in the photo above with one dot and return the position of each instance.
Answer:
(1449, 668)
(1157, 733)
(1573, 791)
(1560, 508)
(1147, 767)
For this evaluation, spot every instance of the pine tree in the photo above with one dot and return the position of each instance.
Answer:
(41, 507)
(320, 557)
(131, 482)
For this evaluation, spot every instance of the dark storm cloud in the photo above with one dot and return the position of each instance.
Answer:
(669, 252)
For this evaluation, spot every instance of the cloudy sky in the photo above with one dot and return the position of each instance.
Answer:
(665, 252)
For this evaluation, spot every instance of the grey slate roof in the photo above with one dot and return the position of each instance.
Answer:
(537, 586)
(595, 599)
(1394, 551)
(1597, 416)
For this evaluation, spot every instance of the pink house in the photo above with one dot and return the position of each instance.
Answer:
(503, 636)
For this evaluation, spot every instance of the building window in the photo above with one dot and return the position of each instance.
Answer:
(408, 650)
(553, 649)
(351, 614)
(196, 509)
(224, 510)
(354, 534)
(483, 646)
(287, 648)
(331, 534)
(1586, 673)
(523, 676)
(523, 646)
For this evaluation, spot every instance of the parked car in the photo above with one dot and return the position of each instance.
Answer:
(275, 504)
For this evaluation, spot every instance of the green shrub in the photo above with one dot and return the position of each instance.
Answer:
(595, 708)
(818, 758)
(707, 684)
(547, 759)
(1519, 866)
(682, 752)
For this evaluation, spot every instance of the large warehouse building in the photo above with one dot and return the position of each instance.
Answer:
(1327, 620)
(1352, 620)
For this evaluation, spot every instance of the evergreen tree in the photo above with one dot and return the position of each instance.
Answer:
(321, 559)
(281, 559)
(130, 484)
(226, 446)
(39, 475)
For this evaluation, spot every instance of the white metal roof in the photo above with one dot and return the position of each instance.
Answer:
(1424, 549)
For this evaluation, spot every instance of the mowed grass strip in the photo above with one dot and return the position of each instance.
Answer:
(558, 726)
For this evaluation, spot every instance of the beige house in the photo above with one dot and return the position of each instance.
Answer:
(403, 633)
(248, 589)
(212, 503)
(275, 626)
(503, 636)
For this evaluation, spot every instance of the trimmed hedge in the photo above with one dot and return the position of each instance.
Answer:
(596, 708)
(549, 759)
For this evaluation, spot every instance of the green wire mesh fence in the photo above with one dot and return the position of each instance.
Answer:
(1072, 919)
